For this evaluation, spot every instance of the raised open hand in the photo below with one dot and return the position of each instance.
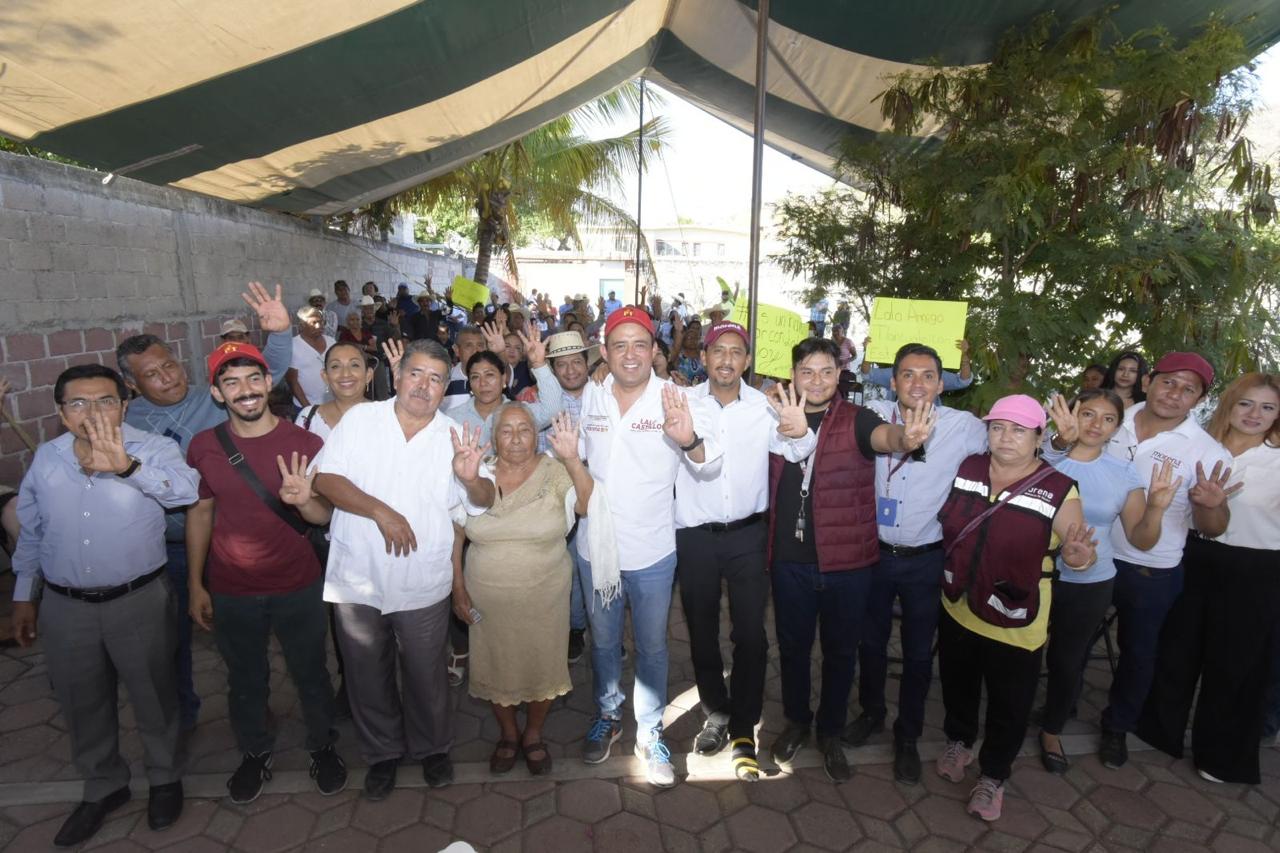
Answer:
(105, 453)
(295, 482)
(678, 421)
(1065, 418)
(467, 452)
(272, 315)
(1212, 491)
(791, 418)
(917, 424)
(534, 349)
(393, 349)
(493, 340)
(1163, 486)
(564, 437)
(1079, 549)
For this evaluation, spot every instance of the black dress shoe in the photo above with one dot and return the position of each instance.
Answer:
(1113, 752)
(380, 781)
(437, 770)
(712, 738)
(87, 819)
(857, 733)
(906, 762)
(164, 805)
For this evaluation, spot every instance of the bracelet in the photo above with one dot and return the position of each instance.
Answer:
(694, 445)
(1053, 442)
(1079, 568)
(134, 464)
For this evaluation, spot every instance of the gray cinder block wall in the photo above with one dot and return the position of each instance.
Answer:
(83, 265)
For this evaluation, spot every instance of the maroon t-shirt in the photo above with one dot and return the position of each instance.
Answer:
(253, 552)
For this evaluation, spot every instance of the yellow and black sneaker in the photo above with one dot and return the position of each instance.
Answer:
(745, 766)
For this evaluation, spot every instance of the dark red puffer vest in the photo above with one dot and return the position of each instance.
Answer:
(844, 495)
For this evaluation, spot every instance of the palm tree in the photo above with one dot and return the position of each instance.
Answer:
(558, 172)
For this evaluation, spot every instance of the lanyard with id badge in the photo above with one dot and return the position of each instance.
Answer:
(887, 507)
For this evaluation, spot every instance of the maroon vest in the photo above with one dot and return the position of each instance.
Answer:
(844, 495)
(999, 565)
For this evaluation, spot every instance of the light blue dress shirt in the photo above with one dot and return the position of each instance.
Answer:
(919, 488)
(97, 530)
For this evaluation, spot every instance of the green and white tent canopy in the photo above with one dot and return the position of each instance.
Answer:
(321, 106)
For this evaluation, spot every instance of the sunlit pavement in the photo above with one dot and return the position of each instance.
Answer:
(1155, 803)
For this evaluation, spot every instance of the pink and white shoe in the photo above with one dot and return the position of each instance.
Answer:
(954, 759)
(986, 799)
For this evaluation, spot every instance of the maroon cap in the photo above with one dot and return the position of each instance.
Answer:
(232, 350)
(1194, 362)
(726, 327)
(629, 314)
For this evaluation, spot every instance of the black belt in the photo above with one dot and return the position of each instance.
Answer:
(910, 550)
(104, 594)
(726, 526)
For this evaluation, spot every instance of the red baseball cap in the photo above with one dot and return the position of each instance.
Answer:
(1194, 362)
(629, 314)
(232, 350)
(725, 328)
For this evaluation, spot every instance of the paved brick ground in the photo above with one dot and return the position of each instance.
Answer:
(1155, 803)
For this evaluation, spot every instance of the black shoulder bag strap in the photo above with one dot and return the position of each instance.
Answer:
(1031, 480)
(241, 467)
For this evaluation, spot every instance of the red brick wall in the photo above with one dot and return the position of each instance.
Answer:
(32, 363)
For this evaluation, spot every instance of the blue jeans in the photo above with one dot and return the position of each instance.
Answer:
(577, 601)
(805, 600)
(648, 592)
(915, 581)
(1142, 598)
(188, 699)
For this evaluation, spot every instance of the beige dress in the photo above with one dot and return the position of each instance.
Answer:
(518, 573)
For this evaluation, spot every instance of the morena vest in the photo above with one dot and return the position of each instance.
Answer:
(844, 495)
(998, 566)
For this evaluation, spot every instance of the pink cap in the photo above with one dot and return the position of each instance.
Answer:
(1020, 409)
(1190, 361)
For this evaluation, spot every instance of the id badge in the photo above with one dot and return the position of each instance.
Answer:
(886, 511)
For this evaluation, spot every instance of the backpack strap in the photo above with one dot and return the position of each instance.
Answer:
(237, 461)
(307, 418)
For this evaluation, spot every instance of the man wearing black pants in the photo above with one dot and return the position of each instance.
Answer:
(721, 536)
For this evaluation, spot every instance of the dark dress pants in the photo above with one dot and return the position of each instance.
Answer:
(1142, 597)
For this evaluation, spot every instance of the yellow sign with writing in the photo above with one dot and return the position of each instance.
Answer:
(467, 293)
(931, 322)
(779, 331)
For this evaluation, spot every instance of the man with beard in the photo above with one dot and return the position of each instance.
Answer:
(909, 493)
(823, 543)
(167, 405)
(721, 530)
(1157, 431)
(91, 511)
(394, 470)
(248, 533)
(637, 432)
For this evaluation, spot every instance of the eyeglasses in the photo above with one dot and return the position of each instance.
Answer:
(80, 404)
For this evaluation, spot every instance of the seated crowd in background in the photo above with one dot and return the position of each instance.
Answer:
(458, 492)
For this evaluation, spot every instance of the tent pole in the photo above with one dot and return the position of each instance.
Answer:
(757, 166)
(639, 194)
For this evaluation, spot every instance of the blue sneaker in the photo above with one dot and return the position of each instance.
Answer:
(657, 758)
(600, 740)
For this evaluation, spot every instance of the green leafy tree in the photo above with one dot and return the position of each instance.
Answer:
(550, 183)
(1083, 191)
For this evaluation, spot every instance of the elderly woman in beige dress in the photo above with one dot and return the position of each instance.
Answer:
(517, 577)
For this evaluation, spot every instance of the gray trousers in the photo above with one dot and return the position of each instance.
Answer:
(372, 644)
(90, 649)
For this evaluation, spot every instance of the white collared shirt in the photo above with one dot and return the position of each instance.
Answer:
(747, 432)
(920, 488)
(637, 464)
(415, 478)
(1255, 509)
(1184, 445)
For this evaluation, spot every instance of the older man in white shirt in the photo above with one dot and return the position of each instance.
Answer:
(722, 529)
(638, 431)
(385, 469)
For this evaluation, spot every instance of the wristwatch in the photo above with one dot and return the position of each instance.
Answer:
(693, 445)
(134, 464)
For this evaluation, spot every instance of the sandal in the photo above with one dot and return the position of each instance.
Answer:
(1053, 762)
(537, 766)
(499, 762)
(745, 765)
(457, 668)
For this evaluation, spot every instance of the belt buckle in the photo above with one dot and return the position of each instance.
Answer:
(93, 596)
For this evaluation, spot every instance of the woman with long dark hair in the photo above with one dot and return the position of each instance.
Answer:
(1125, 376)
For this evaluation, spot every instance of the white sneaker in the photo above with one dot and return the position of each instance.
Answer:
(1209, 777)
(657, 759)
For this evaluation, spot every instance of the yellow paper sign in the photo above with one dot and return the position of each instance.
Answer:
(467, 293)
(931, 322)
(778, 332)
